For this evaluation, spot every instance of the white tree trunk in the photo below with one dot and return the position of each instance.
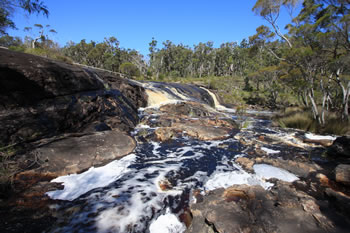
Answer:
(314, 108)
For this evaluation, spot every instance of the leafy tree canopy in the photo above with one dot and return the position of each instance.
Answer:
(8, 8)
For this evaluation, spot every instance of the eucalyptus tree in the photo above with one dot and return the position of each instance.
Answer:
(42, 34)
(329, 20)
(204, 57)
(317, 46)
(9, 7)
(297, 52)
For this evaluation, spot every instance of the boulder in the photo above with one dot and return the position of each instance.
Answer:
(342, 174)
(340, 199)
(246, 163)
(340, 147)
(243, 208)
(42, 98)
(75, 154)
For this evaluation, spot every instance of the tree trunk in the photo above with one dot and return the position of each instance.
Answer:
(346, 93)
(346, 102)
(314, 108)
(200, 70)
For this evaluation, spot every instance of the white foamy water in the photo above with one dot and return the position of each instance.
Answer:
(265, 171)
(76, 185)
(167, 223)
(145, 191)
(270, 151)
(131, 198)
(217, 104)
(227, 179)
(319, 137)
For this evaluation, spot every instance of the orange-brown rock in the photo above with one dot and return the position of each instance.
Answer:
(342, 174)
(252, 209)
(245, 162)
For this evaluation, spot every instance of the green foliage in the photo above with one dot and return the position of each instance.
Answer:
(106, 55)
(8, 41)
(49, 53)
(301, 118)
(7, 168)
(129, 69)
(8, 8)
(336, 126)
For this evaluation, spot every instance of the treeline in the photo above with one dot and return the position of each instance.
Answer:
(230, 59)
(106, 55)
(309, 59)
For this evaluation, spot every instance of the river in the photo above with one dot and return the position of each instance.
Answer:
(151, 189)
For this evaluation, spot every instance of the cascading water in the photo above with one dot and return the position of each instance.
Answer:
(148, 190)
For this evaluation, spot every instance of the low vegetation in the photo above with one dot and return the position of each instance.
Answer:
(301, 118)
(7, 167)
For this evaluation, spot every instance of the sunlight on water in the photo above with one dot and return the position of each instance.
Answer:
(148, 189)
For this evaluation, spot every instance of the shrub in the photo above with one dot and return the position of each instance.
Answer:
(49, 53)
(7, 168)
(301, 118)
(129, 69)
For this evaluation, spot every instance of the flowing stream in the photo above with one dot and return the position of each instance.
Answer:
(150, 189)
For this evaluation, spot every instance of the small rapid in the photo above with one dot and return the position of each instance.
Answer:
(148, 190)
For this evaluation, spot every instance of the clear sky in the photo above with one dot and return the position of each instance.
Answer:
(135, 22)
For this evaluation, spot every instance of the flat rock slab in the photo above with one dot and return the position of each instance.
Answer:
(76, 154)
(243, 208)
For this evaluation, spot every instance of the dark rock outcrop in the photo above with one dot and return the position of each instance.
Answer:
(43, 98)
(340, 147)
(49, 104)
(81, 152)
(57, 119)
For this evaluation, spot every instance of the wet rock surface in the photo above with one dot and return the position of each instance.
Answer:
(185, 151)
(340, 147)
(192, 119)
(78, 153)
(56, 119)
(43, 98)
(318, 202)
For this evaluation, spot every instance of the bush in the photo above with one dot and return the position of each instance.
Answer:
(301, 118)
(129, 69)
(7, 168)
(49, 53)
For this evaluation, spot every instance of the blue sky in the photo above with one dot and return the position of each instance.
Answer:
(135, 22)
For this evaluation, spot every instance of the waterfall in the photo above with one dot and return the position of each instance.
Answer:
(164, 93)
(217, 104)
(156, 98)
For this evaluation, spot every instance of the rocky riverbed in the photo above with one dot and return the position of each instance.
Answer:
(92, 152)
